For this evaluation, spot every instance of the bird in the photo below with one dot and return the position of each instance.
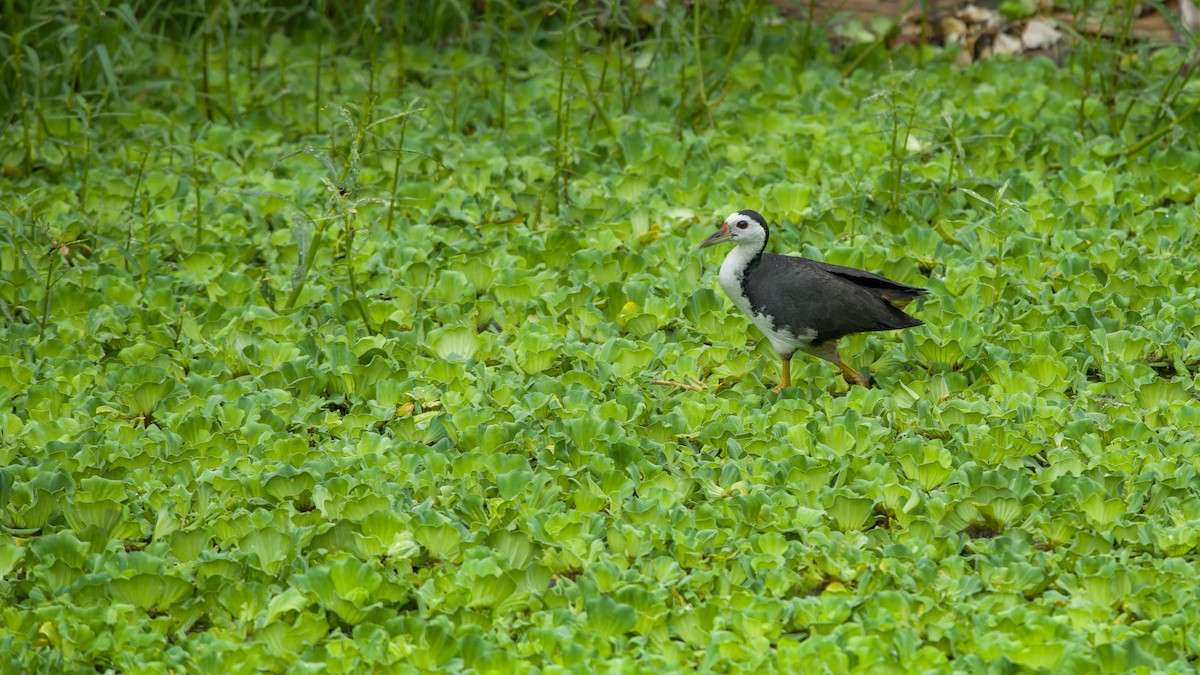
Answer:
(805, 305)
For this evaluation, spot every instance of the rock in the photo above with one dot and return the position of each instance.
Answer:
(953, 29)
(978, 16)
(1006, 44)
(1040, 34)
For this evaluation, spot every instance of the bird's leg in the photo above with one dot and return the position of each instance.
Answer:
(786, 380)
(852, 376)
(829, 352)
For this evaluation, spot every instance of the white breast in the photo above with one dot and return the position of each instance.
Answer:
(731, 276)
(783, 340)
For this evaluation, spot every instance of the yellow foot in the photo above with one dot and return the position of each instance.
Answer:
(852, 376)
(859, 380)
(696, 385)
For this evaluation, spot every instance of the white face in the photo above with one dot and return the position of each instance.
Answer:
(745, 230)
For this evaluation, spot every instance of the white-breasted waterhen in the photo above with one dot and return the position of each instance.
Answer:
(805, 305)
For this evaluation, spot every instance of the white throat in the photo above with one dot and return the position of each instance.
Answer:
(732, 270)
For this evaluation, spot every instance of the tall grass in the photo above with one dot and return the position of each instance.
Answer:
(68, 71)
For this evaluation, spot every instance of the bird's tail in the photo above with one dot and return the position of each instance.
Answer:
(901, 297)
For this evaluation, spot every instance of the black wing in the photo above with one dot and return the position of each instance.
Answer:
(807, 295)
(865, 278)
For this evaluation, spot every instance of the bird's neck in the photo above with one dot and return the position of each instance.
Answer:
(747, 255)
(738, 262)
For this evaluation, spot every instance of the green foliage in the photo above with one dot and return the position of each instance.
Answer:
(327, 335)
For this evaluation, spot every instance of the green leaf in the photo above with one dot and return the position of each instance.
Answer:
(147, 591)
(610, 619)
(10, 556)
(454, 343)
(850, 513)
(269, 547)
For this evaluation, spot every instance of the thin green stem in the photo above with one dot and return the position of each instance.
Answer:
(849, 70)
(397, 172)
(317, 76)
(598, 106)
(700, 65)
(22, 103)
(46, 292)
(806, 45)
(133, 200)
(310, 257)
(401, 15)
(85, 174)
(196, 186)
(504, 65)
(1162, 131)
(1165, 102)
(563, 116)
(207, 92)
(681, 114)
(1089, 68)
(230, 102)
(362, 312)
(1114, 80)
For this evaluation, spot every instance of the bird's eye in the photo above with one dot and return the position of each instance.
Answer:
(741, 225)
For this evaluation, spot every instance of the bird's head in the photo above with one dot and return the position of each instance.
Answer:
(744, 228)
